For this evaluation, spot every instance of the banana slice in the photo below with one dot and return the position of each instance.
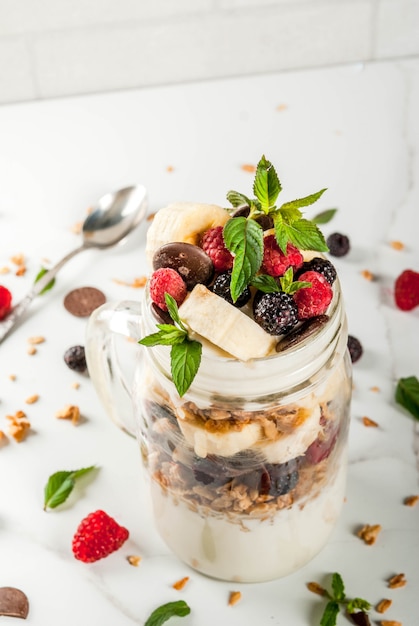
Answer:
(224, 325)
(295, 443)
(182, 221)
(223, 443)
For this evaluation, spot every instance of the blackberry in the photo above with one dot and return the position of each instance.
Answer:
(75, 358)
(338, 244)
(221, 287)
(355, 348)
(276, 313)
(279, 479)
(322, 266)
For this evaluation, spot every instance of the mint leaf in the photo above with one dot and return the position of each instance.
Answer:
(289, 285)
(47, 287)
(173, 310)
(166, 611)
(265, 283)
(358, 604)
(237, 199)
(303, 234)
(324, 217)
(164, 337)
(185, 359)
(266, 186)
(330, 614)
(407, 395)
(338, 587)
(244, 239)
(60, 485)
(301, 202)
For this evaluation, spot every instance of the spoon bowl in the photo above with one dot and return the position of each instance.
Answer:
(113, 218)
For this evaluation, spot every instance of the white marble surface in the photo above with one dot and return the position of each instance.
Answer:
(353, 129)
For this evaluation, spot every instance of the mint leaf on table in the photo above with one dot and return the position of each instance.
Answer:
(407, 395)
(166, 611)
(356, 608)
(324, 216)
(60, 485)
(185, 354)
(47, 287)
(244, 239)
(330, 614)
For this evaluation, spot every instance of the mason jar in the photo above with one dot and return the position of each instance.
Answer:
(246, 471)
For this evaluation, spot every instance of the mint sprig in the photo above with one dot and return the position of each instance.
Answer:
(60, 485)
(166, 611)
(185, 354)
(268, 284)
(407, 395)
(245, 242)
(337, 599)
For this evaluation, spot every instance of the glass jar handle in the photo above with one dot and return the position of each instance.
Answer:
(107, 324)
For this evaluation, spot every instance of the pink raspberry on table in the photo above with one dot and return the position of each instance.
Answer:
(406, 290)
(314, 300)
(213, 244)
(275, 262)
(167, 280)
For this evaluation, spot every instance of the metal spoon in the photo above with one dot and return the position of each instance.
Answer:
(115, 215)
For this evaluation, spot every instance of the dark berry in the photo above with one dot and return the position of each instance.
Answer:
(241, 211)
(279, 479)
(338, 244)
(265, 221)
(322, 266)
(75, 358)
(276, 313)
(221, 287)
(355, 348)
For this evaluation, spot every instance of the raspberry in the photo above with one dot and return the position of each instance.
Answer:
(314, 300)
(166, 280)
(213, 244)
(355, 348)
(75, 358)
(275, 262)
(5, 301)
(97, 536)
(221, 287)
(322, 266)
(406, 290)
(276, 312)
(338, 244)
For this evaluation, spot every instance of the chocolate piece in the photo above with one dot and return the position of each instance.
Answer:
(190, 261)
(163, 317)
(13, 602)
(83, 301)
(298, 334)
(241, 211)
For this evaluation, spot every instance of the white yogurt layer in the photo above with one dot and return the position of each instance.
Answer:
(254, 550)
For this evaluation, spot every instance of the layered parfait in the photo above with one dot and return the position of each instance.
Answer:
(244, 401)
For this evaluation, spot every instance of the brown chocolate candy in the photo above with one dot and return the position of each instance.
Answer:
(13, 602)
(190, 261)
(299, 333)
(83, 301)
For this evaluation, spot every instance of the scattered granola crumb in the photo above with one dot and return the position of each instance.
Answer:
(383, 605)
(32, 350)
(3, 437)
(4, 269)
(21, 270)
(369, 533)
(36, 340)
(235, 596)
(248, 167)
(18, 259)
(397, 245)
(367, 275)
(367, 421)
(316, 588)
(76, 228)
(411, 500)
(398, 580)
(137, 283)
(150, 217)
(69, 412)
(76, 385)
(12, 377)
(19, 426)
(282, 107)
(180, 584)
(170, 169)
(375, 389)
(32, 399)
(391, 622)
(134, 560)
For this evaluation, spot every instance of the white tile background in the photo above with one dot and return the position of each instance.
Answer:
(53, 48)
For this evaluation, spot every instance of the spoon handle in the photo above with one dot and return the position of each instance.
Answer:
(16, 313)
